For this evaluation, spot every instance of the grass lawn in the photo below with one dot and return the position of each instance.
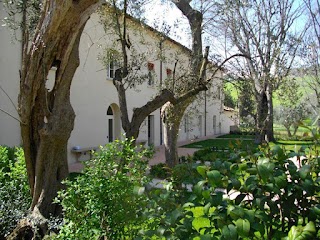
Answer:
(293, 145)
(280, 131)
(222, 143)
(236, 136)
(246, 142)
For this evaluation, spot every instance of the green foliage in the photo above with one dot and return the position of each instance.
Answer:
(229, 100)
(160, 170)
(249, 196)
(302, 232)
(185, 173)
(292, 116)
(15, 196)
(15, 8)
(108, 199)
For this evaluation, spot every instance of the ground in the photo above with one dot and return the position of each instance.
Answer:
(159, 156)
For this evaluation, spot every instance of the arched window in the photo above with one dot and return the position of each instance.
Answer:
(109, 111)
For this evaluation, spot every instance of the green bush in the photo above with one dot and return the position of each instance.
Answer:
(107, 200)
(184, 173)
(160, 170)
(249, 196)
(15, 196)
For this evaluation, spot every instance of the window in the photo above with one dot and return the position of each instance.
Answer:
(151, 74)
(169, 73)
(186, 124)
(109, 111)
(113, 66)
(214, 122)
(219, 92)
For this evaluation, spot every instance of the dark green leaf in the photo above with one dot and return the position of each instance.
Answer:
(214, 177)
(202, 170)
(243, 227)
(304, 171)
(229, 232)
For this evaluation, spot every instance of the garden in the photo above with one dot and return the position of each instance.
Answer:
(230, 188)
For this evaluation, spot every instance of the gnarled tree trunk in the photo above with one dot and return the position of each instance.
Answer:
(264, 123)
(172, 114)
(47, 117)
(132, 127)
(171, 132)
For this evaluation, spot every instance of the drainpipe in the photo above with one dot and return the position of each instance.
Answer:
(161, 125)
(205, 113)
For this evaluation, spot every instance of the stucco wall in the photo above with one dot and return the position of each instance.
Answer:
(10, 63)
(92, 92)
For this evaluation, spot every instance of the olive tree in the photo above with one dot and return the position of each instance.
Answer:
(130, 73)
(47, 117)
(264, 31)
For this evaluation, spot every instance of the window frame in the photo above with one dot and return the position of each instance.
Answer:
(111, 69)
(151, 74)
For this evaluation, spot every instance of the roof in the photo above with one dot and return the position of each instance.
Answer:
(160, 34)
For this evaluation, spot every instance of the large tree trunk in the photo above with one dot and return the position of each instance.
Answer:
(269, 121)
(170, 134)
(262, 113)
(172, 115)
(47, 117)
(264, 123)
(132, 127)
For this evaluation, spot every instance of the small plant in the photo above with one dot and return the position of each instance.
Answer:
(160, 170)
(15, 196)
(108, 199)
(263, 195)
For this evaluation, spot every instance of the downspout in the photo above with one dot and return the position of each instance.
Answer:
(161, 124)
(205, 113)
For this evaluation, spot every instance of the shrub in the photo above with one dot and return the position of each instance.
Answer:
(107, 200)
(184, 173)
(250, 196)
(160, 170)
(15, 196)
(201, 154)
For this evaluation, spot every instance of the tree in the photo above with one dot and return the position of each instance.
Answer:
(262, 30)
(229, 100)
(247, 108)
(292, 117)
(47, 117)
(311, 50)
(199, 76)
(129, 74)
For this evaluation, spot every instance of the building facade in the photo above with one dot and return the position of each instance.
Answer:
(94, 97)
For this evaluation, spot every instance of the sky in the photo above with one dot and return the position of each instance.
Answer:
(166, 14)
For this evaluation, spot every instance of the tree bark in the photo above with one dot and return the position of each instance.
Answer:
(269, 121)
(172, 115)
(195, 83)
(132, 127)
(262, 113)
(170, 134)
(264, 123)
(171, 120)
(47, 117)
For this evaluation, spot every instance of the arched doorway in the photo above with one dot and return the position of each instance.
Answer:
(110, 120)
(113, 122)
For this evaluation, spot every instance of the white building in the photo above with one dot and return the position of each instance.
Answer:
(94, 97)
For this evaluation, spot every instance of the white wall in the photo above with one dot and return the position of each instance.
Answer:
(92, 93)
(10, 62)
